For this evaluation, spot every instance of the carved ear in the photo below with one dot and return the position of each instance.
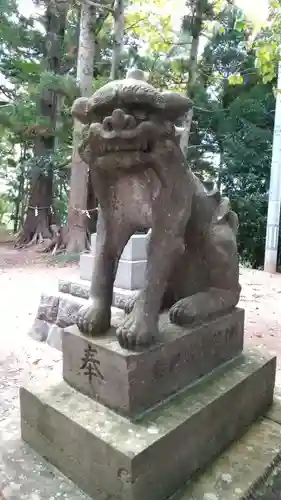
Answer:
(79, 110)
(176, 105)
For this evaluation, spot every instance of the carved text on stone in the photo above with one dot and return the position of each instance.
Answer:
(90, 364)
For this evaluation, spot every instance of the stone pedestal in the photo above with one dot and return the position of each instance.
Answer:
(131, 269)
(131, 382)
(136, 426)
(108, 456)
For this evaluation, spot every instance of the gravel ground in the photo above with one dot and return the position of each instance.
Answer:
(24, 275)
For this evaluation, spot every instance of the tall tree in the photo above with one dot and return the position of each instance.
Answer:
(40, 206)
(118, 38)
(77, 234)
(92, 19)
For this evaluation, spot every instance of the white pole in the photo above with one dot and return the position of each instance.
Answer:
(274, 199)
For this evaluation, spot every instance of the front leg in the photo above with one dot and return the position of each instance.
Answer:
(140, 327)
(112, 236)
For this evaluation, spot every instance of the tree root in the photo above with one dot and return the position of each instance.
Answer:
(55, 245)
(24, 242)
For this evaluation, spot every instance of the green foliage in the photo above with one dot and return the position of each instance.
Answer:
(231, 134)
(62, 85)
(236, 119)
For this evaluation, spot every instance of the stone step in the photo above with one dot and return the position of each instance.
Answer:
(58, 310)
(81, 288)
(239, 473)
(133, 382)
(109, 456)
(55, 312)
(242, 471)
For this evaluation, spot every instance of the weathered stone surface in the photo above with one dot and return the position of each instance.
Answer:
(67, 311)
(109, 456)
(39, 330)
(136, 248)
(81, 289)
(275, 411)
(55, 337)
(131, 382)
(130, 274)
(77, 288)
(236, 474)
(64, 286)
(121, 296)
(48, 307)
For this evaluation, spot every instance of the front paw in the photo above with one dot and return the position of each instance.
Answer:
(183, 312)
(136, 333)
(94, 318)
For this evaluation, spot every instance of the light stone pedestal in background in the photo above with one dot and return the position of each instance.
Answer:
(58, 310)
(136, 426)
(131, 269)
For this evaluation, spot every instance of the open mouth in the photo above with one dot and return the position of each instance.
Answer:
(106, 148)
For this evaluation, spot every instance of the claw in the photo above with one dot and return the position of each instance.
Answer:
(135, 334)
(93, 319)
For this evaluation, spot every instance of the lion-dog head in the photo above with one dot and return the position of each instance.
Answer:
(126, 121)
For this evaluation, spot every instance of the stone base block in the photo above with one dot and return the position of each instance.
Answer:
(132, 382)
(136, 248)
(130, 274)
(110, 457)
(86, 263)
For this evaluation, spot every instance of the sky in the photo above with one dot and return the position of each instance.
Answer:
(256, 10)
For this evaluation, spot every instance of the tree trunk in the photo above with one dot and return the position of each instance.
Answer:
(38, 217)
(194, 25)
(198, 7)
(118, 38)
(19, 201)
(77, 207)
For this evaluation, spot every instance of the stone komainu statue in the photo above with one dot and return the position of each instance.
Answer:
(142, 181)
